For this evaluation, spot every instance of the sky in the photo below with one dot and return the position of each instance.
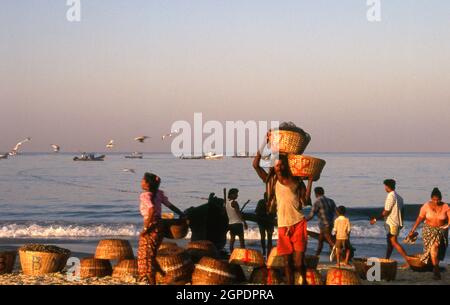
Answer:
(134, 67)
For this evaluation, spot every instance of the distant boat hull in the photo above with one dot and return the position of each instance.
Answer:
(191, 158)
(133, 157)
(99, 158)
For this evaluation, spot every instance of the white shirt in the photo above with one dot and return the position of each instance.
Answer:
(233, 216)
(394, 205)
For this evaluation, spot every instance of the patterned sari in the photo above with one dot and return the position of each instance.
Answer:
(149, 243)
(431, 236)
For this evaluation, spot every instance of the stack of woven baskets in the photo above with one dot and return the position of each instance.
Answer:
(292, 141)
(279, 262)
(108, 251)
(313, 277)
(254, 259)
(175, 266)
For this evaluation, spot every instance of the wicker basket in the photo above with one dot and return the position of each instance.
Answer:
(199, 249)
(176, 266)
(306, 166)
(266, 276)
(276, 261)
(417, 265)
(114, 249)
(175, 228)
(167, 244)
(94, 267)
(7, 261)
(125, 269)
(313, 278)
(247, 257)
(42, 259)
(388, 268)
(210, 271)
(288, 142)
(336, 276)
(239, 275)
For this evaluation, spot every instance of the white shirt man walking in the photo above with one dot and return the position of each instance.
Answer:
(393, 216)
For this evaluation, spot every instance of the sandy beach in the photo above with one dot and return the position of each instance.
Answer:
(86, 249)
(404, 277)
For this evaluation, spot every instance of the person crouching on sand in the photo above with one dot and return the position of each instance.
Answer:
(393, 214)
(341, 229)
(152, 234)
(236, 222)
(436, 215)
(287, 195)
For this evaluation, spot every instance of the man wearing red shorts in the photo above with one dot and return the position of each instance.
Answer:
(290, 195)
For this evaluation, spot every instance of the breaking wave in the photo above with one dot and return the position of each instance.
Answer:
(49, 230)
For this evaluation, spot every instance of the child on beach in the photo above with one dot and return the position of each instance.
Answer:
(236, 222)
(152, 234)
(342, 229)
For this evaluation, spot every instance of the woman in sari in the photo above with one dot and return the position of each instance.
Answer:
(152, 234)
(435, 214)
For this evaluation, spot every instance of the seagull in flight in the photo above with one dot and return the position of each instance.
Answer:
(129, 170)
(56, 148)
(16, 148)
(110, 144)
(141, 139)
(171, 134)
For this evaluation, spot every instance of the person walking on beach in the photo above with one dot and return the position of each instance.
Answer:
(393, 214)
(236, 222)
(436, 217)
(152, 234)
(342, 228)
(266, 224)
(287, 195)
(325, 208)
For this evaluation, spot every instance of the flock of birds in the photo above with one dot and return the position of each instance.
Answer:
(111, 144)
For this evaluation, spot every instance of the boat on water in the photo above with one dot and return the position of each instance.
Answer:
(135, 155)
(3, 156)
(208, 156)
(89, 157)
(244, 155)
(183, 157)
(213, 156)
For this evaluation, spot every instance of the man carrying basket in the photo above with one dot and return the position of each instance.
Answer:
(287, 195)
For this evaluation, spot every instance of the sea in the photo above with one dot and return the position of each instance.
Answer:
(49, 198)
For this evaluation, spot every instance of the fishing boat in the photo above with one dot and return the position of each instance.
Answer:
(89, 157)
(213, 156)
(183, 157)
(135, 155)
(243, 154)
(3, 156)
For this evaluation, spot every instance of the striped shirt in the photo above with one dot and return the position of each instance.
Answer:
(325, 209)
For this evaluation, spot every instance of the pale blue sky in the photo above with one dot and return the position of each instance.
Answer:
(133, 67)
